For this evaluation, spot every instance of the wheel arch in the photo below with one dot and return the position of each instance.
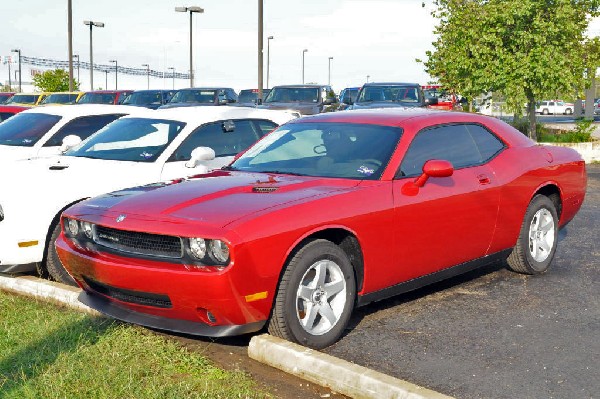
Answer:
(53, 223)
(553, 192)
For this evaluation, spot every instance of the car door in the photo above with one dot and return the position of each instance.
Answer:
(450, 220)
(227, 138)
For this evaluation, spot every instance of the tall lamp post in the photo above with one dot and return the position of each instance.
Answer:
(116, 72)
(303, 52)
(106, 80)
(77, 56)
(268, 61)
(173, 75)
(192, 10)
(147, 74)
(91, 24)
(19, 52)
(70, 41)
(329, 72)
(368, 76)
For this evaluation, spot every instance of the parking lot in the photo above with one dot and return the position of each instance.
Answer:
(494, 333)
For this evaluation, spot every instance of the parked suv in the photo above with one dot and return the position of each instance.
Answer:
(387, 95)
(308, 99)
(554, 107)
(348, 97)
(250, 96)
(202, 96)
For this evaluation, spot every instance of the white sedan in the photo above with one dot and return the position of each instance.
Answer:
(135, 150)
(40, 131)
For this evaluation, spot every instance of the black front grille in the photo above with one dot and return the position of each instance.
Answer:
(139, 243)
(137, 297)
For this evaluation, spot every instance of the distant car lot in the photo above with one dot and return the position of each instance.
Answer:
(496, 334)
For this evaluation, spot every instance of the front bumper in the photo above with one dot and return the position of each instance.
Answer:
(19, 255)
(167, 296)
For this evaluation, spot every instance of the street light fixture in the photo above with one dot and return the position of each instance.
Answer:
(191, 10)
(147, 74)
(18, 51)
(116, 72)
(303, 52)
(329, 73)
(268, 61)
(91, 24)
(173, 75)
(368, 76)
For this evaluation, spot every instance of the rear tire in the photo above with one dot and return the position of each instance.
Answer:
(315, 297)
(545, 112)
(56, 270)
(538, 238)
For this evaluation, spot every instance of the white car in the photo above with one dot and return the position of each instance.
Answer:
(554, 107)
(39, 132)
(135, 150)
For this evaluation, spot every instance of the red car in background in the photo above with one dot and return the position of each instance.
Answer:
(104, 97)
(6, 111)
(4, 97)
(445, 100)
(324, 214)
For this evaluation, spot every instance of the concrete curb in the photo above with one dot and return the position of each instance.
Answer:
(46, 290)
(341, 376)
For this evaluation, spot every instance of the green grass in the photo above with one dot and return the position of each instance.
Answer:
(51, 352)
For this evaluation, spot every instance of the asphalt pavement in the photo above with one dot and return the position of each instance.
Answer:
(494, 333)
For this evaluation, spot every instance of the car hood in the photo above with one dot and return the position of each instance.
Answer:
(11, 153)
(303, 108)
(218, 198)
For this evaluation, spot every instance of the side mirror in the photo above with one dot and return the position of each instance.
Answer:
(431, 101)
(69, 142)
(200, 154)
(222, 101)
(432, 168)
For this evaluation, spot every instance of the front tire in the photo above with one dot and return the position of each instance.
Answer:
(56, 270)
(538, 238)
(315, 297)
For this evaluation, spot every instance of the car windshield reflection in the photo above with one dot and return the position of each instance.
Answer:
(353, 151)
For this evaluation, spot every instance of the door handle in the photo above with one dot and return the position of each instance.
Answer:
(483, 179)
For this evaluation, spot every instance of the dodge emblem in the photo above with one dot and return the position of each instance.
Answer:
(121, 218)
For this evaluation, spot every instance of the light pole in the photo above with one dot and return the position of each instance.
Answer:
(77, 56)
(192, 10)
(329, 73)
(147, 74)
(368, 76)
(116, 72)
(91, 24)
(106, 80)
(173, 75)
(70, 40)
(303, 52)
(268, 61)
(18, 51)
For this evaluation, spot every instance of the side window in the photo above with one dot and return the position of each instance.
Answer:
(265, 127)
(82, 127)
(462, 144)
(227, 138)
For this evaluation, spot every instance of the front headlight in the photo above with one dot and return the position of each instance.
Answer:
(71, 227)
(198, 248)
(87, 229)
(219, 251)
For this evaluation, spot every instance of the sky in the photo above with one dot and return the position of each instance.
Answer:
(376, 38)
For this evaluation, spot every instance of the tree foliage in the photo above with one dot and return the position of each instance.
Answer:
(525, 50)
(54, 80)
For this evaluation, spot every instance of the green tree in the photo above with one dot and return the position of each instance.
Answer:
(523, 49)
(54, 80)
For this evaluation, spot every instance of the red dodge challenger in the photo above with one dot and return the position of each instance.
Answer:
(324, 214)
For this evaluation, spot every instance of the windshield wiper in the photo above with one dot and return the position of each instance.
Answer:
(228, 167)
(282, 172)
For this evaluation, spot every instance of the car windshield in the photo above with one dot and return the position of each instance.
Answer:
(293, 95)
(129, 139)
(60, 98)
(250, 95)
(26, 129)
(389, 93)
(353, 151)
(194, 96)
(97, 98)
(350, 95)
(144, 98)
(23, 99)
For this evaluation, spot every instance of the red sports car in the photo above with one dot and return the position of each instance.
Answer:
(322, 215)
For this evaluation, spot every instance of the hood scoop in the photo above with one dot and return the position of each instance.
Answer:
(264, 190)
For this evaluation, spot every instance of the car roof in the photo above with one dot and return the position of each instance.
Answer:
(198, 114)
(205, 88)
(75, 110)
(301, 85)
(11, 108)
(107, 91)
